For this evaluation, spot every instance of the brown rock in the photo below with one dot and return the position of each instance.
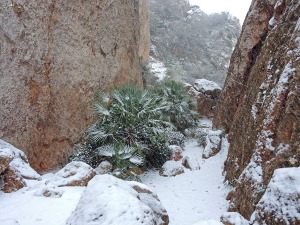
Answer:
(18, 168)
(54, 56)
(4, 160)
(260, 104)
(207, 94)
(11, 181)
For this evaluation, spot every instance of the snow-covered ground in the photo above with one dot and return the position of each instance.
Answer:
(195, 196)
(157, 68)
(29, 209)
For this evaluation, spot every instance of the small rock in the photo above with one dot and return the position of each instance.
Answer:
(186, 162)
(176, 152)
(11, 181)
(103, 168)
(213, 143)
(49, 192)
(73, 174)
(171, 169)
(233, 218)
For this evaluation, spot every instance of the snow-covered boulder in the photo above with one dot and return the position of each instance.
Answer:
(108, 200)
(207, 94)
(49, 192)
(171, 169)
(233, 218)
(207, 87)
(15, 168)
(103, 168)
(9, 222)
(73, 174)
(176, 152)
(213, 143)
(280, 203)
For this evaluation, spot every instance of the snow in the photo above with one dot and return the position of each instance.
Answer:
(23, 169)
(172, 168)
(72, 173)
(209, 222)
(234, 218)
(110, 201)
(282, 197)
(204, 85)
(19, 163)
(196, 196)
(272, 21)
(29, 209)
(297, 28)
(157, 68)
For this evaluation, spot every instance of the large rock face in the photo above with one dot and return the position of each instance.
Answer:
(260, 103)
(54, 56)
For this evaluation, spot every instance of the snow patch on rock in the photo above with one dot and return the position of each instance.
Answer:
(281, 201)
(171, 169)
(233, 218)
(111, 201)
(204, 85)
(73, 174)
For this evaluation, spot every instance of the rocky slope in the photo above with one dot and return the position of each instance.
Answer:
(260, 103)
(54, 56)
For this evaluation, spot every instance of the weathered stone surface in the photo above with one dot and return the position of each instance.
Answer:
(73, 174)
(54, 56)
(260, 103)
(11, 181)
(248, 47)
(133, 204)
(280, 203)
(207, 94)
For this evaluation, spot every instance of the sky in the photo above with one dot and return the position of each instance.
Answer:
(238, 8)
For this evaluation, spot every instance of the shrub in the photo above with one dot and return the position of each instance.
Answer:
(180, 110)
(131, 117)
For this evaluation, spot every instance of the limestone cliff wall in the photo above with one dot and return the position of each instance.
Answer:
(54, 56)
(260, 103)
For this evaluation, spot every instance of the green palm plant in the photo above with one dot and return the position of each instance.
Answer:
(181, 107)
(135, 118)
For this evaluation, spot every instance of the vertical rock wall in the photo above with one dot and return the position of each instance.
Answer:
(260, 103)
(54, 56)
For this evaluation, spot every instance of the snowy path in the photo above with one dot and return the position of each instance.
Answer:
(195, 195)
